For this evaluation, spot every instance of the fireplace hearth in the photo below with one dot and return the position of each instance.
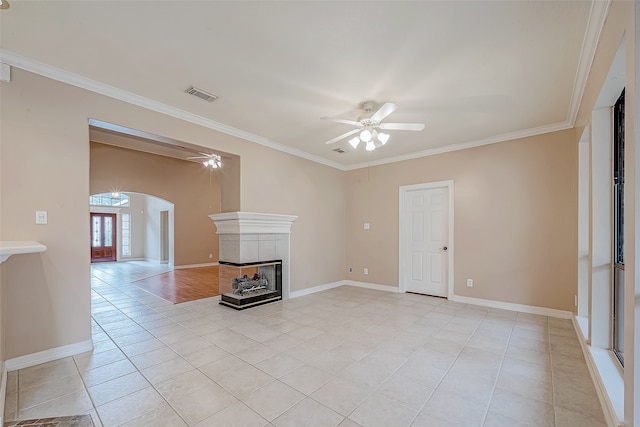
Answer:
(244, 285)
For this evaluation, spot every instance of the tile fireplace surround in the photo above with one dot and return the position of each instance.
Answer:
(252, 237)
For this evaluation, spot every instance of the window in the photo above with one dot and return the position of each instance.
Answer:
(126, 234)
(618, 229)
(109, 199)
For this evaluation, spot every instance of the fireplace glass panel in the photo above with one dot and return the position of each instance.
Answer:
(249, 284)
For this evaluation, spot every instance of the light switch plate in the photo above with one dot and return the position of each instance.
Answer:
(41, 217)
(367, 226)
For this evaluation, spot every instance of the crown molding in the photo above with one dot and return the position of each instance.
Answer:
(597, 17)
(82, 82)
(456, 147)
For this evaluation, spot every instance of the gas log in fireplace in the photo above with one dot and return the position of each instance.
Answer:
(244, 285)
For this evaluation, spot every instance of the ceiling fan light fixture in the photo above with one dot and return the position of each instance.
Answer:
(365, 136)
(4, 4)
(367, 128)
(212, 161)
(383, 137)
(370, 146)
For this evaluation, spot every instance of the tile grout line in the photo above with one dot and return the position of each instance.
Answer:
(166, 345)
(376, 388)
(121, 306)
(115, 344)
(443, 376)
(129, 359)
(86, 389)
(553, 384)
(495, 384)
(440, 381)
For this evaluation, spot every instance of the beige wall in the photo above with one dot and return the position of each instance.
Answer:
(230, 185)
(515, 206)
(44, 163)
(514, 226)
(281, 183)
(193, 189)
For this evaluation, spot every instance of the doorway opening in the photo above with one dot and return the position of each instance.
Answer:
(164, 237)
(426, 239)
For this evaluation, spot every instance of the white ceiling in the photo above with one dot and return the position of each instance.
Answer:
(473, 71)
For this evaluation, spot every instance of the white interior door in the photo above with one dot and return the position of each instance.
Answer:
(426, 231)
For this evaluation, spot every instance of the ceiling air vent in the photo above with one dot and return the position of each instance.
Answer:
(209, 97)
(339, 150)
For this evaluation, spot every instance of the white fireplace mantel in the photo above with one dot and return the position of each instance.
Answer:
(252, 223)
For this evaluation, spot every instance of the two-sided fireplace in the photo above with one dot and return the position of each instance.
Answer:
(257, 246)
(244, 285)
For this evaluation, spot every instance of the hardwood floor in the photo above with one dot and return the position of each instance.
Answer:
(183, 285)
(175, 286)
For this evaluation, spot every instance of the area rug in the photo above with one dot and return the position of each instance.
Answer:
(72, 421)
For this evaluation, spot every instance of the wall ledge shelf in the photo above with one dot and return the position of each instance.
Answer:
(8, 248)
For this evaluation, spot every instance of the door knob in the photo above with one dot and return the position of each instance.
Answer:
(444, 249)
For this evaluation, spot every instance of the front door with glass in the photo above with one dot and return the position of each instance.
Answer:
(103, 237)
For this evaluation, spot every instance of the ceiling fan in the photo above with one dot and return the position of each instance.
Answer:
(368, 126)
(212, 161)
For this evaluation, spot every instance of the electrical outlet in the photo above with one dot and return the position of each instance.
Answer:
(367, 226)
(366, 270)
(210, 256)
(470, 283)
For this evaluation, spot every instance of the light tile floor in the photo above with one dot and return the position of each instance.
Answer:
(342, 357)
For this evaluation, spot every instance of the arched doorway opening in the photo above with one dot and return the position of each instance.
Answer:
(128, 226)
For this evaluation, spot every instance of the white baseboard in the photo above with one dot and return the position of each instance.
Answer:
(48, 355)
(326, 286)
(313, 290)
(598, 370)
(385, 288)
(551, 312)
(208, 264)
(3, 390)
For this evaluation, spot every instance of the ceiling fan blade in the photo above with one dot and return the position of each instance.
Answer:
(343, 136)
(199, 157)
(402, 126)
(384, 111)
(347, 122)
